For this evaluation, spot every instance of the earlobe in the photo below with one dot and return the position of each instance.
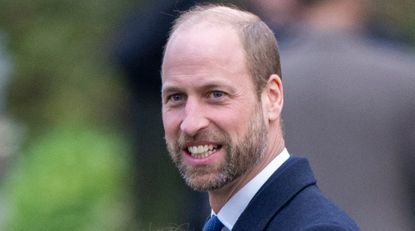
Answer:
(274, 97)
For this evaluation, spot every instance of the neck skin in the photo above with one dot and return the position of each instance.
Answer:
(218, 198)
(335, 15)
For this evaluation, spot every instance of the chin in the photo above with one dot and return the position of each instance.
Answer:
(202, 186)
(203, 181)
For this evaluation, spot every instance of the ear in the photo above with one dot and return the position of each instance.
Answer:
(273, 98)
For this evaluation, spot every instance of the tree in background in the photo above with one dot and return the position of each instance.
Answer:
(70, 179)
(73, 171)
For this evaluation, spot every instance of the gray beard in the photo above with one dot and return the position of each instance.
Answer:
(240, 156)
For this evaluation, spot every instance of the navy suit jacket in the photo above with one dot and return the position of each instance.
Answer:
(290, 200)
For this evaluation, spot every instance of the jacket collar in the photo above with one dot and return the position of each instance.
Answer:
(292, 177)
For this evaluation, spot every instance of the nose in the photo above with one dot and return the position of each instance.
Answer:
(194, 119)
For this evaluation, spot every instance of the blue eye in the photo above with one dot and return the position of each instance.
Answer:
(217, 94)
(175, 99)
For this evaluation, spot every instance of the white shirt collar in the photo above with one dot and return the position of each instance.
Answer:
(231, 211)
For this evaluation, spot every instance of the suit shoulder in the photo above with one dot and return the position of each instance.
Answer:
(311, 210)
(328, 227)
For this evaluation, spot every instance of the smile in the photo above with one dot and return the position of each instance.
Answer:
(202, 151)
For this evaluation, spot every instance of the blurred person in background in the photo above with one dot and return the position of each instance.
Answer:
(138, 51)
(282, 16)
(350, 106)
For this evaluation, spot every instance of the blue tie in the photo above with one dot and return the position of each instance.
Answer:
(213, 224)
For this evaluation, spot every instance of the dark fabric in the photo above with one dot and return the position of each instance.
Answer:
(139, 48)
(290, 200)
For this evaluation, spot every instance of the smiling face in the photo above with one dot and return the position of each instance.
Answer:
(213, 119)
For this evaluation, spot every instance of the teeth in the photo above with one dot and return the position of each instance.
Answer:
(202, 151)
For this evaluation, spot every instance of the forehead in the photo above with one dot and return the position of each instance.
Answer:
(204, 43)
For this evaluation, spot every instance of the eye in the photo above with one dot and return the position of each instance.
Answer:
(175, 98)
(216, 96)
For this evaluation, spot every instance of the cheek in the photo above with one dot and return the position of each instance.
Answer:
(171, 124)
(234, 122)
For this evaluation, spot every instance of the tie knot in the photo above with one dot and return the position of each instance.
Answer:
(213, 224)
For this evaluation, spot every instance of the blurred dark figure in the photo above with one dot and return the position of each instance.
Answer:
(161, 194)
(350, 105)
(282, 16)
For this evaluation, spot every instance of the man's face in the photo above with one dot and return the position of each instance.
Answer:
(213, 119)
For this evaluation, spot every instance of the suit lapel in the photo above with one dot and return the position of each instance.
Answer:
(293, 176)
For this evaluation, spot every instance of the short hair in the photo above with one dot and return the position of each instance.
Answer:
(258, 41)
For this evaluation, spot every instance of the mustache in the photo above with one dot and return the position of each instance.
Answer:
(202, 136)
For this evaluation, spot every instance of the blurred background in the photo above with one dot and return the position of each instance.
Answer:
(81, 141)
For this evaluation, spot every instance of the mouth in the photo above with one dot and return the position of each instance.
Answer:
(202, 151)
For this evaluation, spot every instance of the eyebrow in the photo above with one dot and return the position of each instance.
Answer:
(226, 86)
(208, 85)
(170, 89)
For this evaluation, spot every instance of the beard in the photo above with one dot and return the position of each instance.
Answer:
(240, 155)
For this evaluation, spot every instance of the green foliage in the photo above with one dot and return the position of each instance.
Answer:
(66, 178)
(69, 180)
(60, 51)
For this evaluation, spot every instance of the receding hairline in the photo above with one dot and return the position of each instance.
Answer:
(220, 16)
(215, 15)
(258, 42)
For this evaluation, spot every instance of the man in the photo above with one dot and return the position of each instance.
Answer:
(222, 98)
